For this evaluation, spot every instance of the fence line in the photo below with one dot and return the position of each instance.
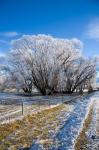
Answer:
(24, 107)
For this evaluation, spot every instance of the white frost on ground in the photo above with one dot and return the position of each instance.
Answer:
(67, 135)
(11, 112)
(92, 135)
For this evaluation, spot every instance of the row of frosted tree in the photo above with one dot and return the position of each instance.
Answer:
(51, 65)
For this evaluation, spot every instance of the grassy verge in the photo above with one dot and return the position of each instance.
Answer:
(22, 133)
(82, 139)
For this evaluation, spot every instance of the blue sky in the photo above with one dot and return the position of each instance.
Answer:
(59, 18)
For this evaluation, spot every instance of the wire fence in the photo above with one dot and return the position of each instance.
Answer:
(12, 110)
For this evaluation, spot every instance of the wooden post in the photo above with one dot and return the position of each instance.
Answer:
(49, 103)
(22, 108)
(39, 105)
(62, 98)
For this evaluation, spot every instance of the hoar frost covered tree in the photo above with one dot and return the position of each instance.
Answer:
(49, 64)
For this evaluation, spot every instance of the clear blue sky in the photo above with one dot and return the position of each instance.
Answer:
(59, 18)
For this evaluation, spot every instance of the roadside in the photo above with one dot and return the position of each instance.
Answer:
(89, 137)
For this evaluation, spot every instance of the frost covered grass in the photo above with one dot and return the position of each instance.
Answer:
(82, 138)
(13, 112)
(42, 125)
(91, 134)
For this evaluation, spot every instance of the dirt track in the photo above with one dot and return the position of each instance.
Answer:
(97, 117)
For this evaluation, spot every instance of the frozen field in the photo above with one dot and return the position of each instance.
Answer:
(59, 123)
(14, 106)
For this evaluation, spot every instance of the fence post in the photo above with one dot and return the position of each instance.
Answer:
(49, 103)
(62, 98)
(22, 108)
(39, 105)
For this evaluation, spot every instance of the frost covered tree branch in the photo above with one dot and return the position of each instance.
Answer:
(49, 64)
